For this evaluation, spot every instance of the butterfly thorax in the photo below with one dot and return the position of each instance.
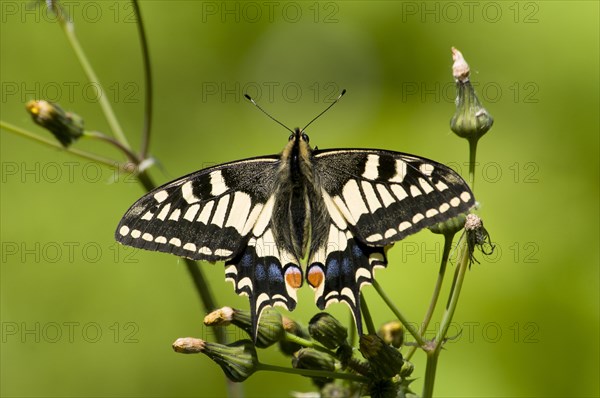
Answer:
(296, 197)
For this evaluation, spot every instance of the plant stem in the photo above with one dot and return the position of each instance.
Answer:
(113, 164)
(113, 141)
(407, 325)
(430, 369)
(69, 30)
(367, 315)
(472, 157)
(313, 373)
(432, 357)
(448, 238)
(454, 295)
(148, 96)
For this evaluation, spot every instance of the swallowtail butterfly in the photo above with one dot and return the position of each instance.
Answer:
(336, 210)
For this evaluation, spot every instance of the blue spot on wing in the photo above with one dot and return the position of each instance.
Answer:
(333, 269)
(246, 260)
(260, 273)
(346, 266)
(275, 273)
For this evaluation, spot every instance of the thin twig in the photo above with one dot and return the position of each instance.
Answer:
(367, 315)
(438, 342)
(448, 238)
(148, 93)
(314, 373)
(113, 141)
(407, 325)
(113, 122)
(113, 164)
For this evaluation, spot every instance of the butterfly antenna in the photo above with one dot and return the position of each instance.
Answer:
(326, 109)
(249, 98)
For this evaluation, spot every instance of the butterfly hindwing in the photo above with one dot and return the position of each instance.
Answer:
(207, 215)
(340, 267)
(265, 272)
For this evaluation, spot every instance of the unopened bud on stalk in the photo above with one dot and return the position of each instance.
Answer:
(327, 330)
(471, 120)
(67, 127)
(386, 361)
(238, 360)
(292, 327)
(392, 333)
(270, 327)
(309, 358)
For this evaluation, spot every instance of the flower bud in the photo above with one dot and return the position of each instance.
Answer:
(65, 126)
(471, 120)
(385, 360)
(407, 369)
(270, 328)
(392, 333)
(309, 358)
(327, 330)
(238, 360)
(292, 327)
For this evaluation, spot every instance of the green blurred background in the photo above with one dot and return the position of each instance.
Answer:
(82, 316)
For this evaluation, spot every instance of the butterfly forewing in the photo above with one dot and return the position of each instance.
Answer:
(206, 215)
(385, 196)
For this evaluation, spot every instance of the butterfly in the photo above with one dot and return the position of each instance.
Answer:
(336, 211)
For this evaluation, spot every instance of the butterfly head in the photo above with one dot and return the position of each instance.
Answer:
(299, 135)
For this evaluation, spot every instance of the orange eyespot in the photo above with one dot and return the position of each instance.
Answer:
(315, 277)
(293, 278)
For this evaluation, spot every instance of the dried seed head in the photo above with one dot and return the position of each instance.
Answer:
(477, 237)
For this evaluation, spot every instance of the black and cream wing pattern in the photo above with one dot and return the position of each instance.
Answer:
(218, 214)
(373, 199)
(339, 209)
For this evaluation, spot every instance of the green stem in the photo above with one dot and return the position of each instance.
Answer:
(454, 295)
(472, 157)
(113, 164)
(313, 373)
(432, 357)
(367, 315)
(448, 238)
(147, 82)
(292, 338)
(430, 369)
(407, 325)
(113, 141)
(69, 30)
